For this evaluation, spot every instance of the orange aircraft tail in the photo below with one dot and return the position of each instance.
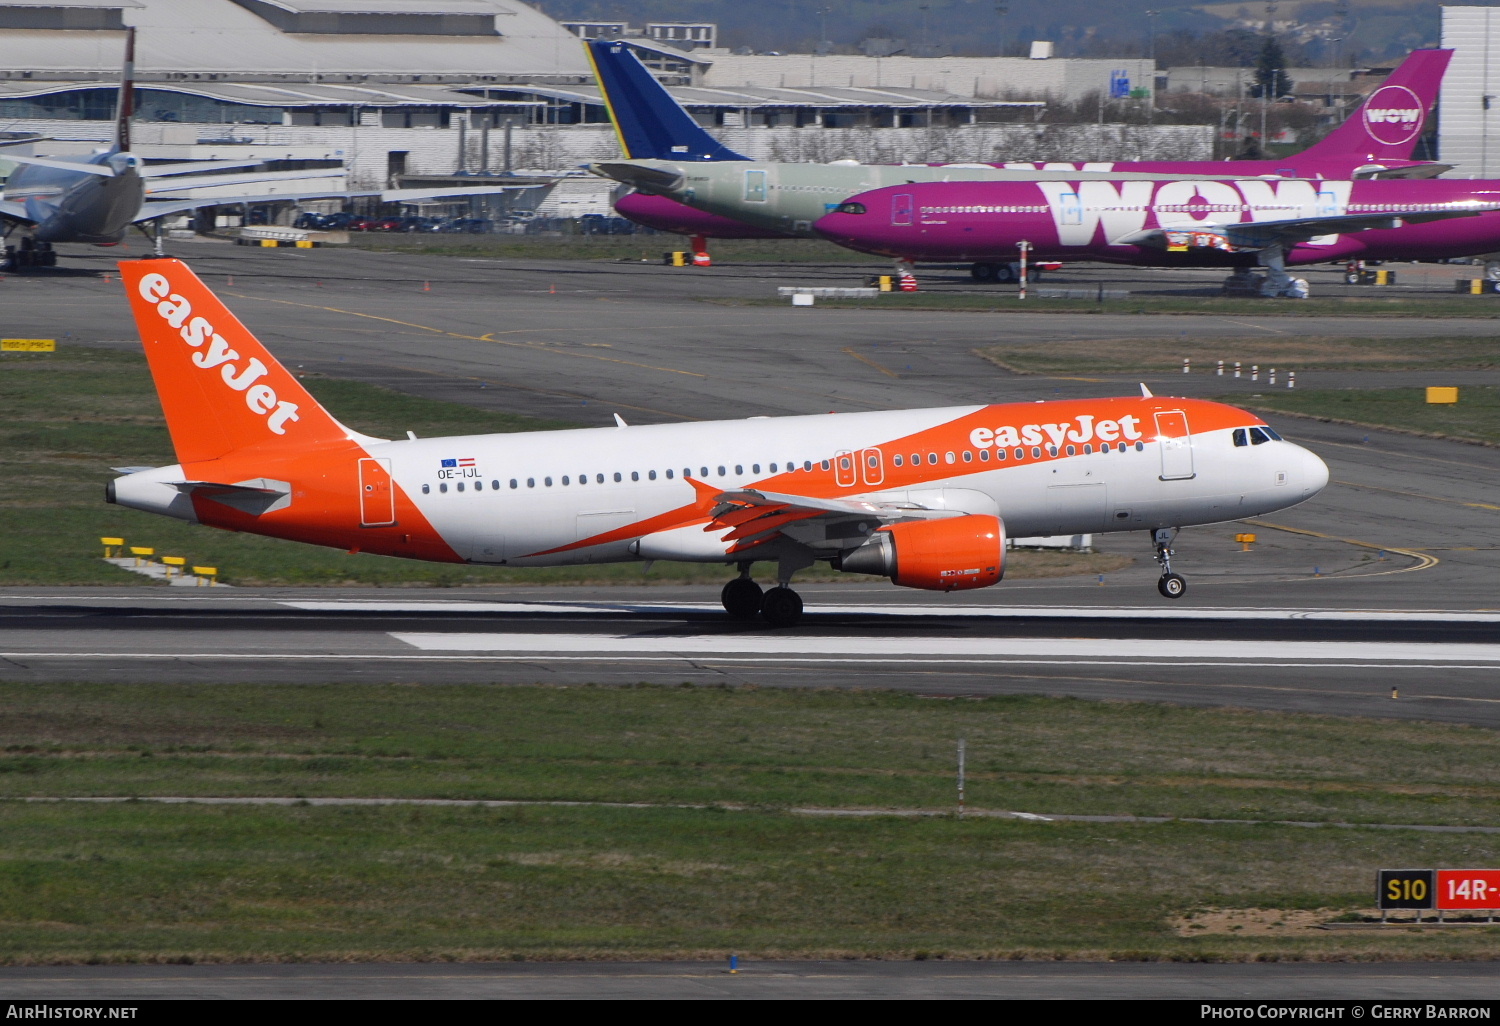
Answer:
(220, 388)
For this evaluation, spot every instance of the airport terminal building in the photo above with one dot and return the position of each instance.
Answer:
(408, 90)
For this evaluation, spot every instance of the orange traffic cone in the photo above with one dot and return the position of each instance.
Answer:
(551, 290)
(702, 259)
(908, 282)
(427, 286)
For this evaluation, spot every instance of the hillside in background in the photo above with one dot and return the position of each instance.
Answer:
(1314, 31)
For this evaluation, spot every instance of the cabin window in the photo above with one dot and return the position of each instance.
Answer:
(826, 465)
(1036, 452)
(599, 478)
(1140, 446)
(950, 458)
(495, 485)
(807, 464)
(1051, 450)
(565, 479)
(916, 459)
(968, 456)
(755, 469)
(460, 486)
(1072, 451)
(618, 478)
(1088, 450)
(443, 488)
(1020, 454)
(548, 481)
(651, 475)
(514, 484)
(531, 482)
(669, 473)
(721, 471)
(738, 469)
(896, 459)
(426, 489)
(984, 455)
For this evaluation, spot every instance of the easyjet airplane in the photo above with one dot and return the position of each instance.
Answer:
(923, 497)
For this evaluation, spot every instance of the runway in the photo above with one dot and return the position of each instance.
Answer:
(1364, 983)
(1441, 663)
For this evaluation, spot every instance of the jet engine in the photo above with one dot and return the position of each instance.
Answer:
(936, 555)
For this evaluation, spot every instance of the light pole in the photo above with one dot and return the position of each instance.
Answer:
(1151, 55)
(1001, 10)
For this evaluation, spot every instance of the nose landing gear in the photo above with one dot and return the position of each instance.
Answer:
(1171, 585)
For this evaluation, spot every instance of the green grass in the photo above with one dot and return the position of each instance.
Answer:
(1199, 306)
(611, 247)
(763, 748)
(146, 882)
(1292, 351)
(1476, 416)
(73, 415)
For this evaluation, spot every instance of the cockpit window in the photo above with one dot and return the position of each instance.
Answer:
(1272, 432)
(1258, 436)
(850, 208)
(1240, 438)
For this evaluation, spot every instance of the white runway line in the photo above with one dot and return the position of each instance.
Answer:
(1011, 649)
(880, 609)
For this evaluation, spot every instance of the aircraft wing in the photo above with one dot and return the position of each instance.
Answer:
(1252, 235)
(755, 517)
(169, 205)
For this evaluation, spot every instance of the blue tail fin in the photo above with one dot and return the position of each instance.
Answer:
(651, 125)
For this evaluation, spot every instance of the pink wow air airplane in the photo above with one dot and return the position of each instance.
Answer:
(1236, 224)
(688, 182)
(924, 497)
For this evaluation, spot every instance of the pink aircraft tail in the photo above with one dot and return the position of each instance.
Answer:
(1390, 121)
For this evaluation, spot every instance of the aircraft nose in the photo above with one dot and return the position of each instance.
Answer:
(1312, 473)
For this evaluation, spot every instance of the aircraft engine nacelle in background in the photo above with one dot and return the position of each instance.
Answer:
(952, 554)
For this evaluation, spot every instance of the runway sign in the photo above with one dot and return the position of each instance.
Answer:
(28, 345)
(1406, 888)
(1442, 890)
(1468, 888)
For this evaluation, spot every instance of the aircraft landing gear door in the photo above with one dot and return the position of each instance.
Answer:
(872, 466)
(901, 209)
(377, 499)
(1176, 445)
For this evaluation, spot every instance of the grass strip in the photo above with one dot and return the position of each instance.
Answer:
(1436, 305)
(745, 746)
(135, 881)
(1475, 417)
(75, 414)
(1286, 352)
(626, 248)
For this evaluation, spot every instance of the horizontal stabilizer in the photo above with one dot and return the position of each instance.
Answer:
(257, 496)
(653, 180)
(102, 170)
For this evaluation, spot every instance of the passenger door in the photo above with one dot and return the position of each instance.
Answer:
(1176, 444)
(901, 209)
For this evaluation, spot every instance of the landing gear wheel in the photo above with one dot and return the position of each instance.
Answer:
(781, 606)
(1171, 586)
(741, 598)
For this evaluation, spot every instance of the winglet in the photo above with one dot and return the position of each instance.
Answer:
(620, 421)
(1146, 392)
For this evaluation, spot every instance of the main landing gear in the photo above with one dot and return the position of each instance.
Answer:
(1171, 585)
(743, 599)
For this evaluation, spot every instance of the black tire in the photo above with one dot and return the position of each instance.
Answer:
(782, 607)
(1171, 586)
(1005, 274)
(984, 272)
(741, 598)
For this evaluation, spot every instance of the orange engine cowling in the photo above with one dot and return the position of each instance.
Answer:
(936, 555)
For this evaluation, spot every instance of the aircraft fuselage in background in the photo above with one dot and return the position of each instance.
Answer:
(75, 206)
(1175, 223)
